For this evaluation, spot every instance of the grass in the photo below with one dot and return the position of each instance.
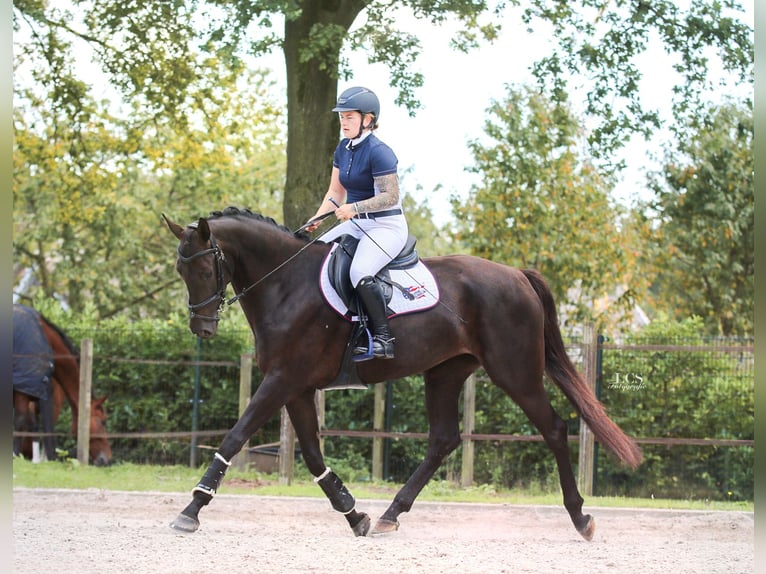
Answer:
(133, 477)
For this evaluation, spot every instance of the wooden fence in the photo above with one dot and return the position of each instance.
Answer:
(589, 348)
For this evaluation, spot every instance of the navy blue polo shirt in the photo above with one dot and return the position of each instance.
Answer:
(358, 165)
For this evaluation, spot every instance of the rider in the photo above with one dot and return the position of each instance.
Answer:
(364, 193)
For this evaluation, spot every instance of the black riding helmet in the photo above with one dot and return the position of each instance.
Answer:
(359, 99)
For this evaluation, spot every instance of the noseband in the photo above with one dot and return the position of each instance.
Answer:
(220, 292)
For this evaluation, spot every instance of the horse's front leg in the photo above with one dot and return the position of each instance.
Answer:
(269, 398)
(303, 415)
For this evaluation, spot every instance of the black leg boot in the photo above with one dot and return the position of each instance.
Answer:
(374, 302)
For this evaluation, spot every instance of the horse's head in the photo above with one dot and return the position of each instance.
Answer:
(201, 265)
(100, 450)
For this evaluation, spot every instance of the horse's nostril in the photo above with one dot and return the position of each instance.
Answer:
(203, 331)
(101, 460)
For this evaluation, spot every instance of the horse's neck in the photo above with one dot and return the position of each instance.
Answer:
(72, 394)
(268, 244)
(273, 263)
(261, 251)
(67, 372)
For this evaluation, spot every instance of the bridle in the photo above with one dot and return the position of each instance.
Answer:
(220, 292)
(220, 261)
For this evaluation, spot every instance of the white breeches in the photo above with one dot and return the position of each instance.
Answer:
(381, 241)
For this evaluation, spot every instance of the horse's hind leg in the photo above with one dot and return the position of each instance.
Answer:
(303, 415)
(22, 423)
(533, 400)
(555, 434)
(46, 421)
(442, 386)
(22, 446)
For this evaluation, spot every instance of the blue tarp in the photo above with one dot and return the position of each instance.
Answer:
(32, 354)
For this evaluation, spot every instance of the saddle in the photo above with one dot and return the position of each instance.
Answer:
(340, 263)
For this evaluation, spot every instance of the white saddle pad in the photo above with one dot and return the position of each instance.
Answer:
(418, 281)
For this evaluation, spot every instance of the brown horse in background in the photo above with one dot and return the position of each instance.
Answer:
(489, 315)
(64, 387)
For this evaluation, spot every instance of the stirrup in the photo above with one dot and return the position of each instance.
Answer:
(364, 353)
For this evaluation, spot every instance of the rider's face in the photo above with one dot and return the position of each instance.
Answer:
(351, 121)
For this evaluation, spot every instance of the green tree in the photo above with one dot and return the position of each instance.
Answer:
(89, 188)
(421, 224)
(705, 232)
(600, 44)
(542, 205)
(151, 50)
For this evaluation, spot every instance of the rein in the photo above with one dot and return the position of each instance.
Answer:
(270, 273)
(220, 260)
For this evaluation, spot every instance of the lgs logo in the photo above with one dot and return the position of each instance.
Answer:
(627, 381)
(628, 378)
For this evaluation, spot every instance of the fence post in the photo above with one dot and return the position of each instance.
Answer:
(286, 448)
(379, 411)
(245, 392)
(469, 423)
(83, 404)
(586, 455)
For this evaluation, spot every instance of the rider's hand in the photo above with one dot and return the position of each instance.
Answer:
(345, 212)
(313, 225)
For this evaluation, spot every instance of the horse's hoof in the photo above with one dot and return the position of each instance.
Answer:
(589, 529)
(385, 526)
(185, 523)
(362, 527)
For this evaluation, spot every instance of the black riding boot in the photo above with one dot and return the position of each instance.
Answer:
(374, 302)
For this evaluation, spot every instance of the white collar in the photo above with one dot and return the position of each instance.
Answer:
(356, 141)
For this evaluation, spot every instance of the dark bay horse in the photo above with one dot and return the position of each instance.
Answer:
(491, 316)
(49, 344)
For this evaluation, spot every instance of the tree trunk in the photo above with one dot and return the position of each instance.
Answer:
(312, 87)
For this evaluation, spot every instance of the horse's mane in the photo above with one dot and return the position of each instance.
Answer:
(245, 212)
(67, 341)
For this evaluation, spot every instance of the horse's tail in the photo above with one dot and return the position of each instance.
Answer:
(560, 369)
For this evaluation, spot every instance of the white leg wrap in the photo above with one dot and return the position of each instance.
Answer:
(327, 471)
(223, 460)
(204, 490)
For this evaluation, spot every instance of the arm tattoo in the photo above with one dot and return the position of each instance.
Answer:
(388, 186)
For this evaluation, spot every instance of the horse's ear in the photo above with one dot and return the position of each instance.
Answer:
(174, 227)
(203, 229)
